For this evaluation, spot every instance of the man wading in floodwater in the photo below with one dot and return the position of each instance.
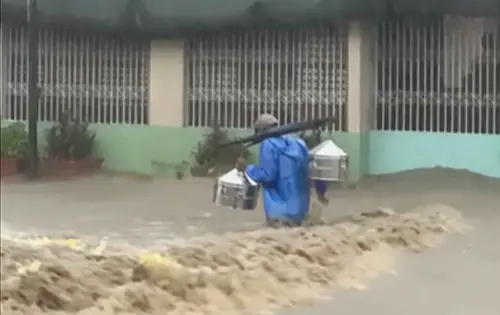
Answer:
(283, 173)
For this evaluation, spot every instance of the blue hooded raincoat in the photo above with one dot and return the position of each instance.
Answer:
(283, 173)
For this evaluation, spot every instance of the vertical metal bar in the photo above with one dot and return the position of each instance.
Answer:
(376, 81)
(102, 71)
(271, 96)
(6, 71)
(44, 71)
(319, 77)
(453, 102)
(264, 69)
(412, 72)
(95, 81)
(330, 75)
(214, 80)
(461, 102)
(56, 66)
(50, 69)
(414, 110)
(86, 80)
(253, 79)
(392, 61)
(235, 70)
(306, 87)
(464, 101)
(478, 104)
(22, 81)
(384, 56)
(245, 42)
(228, 80)
(277, 62)
(202, 88)
(116, 75)
(302, 79)
(192, 73)
(74, 73)
(496, 90)
(260, 85)
(19, 69)
(487, 84)
(434, 57)
(145, 55)
(244, 101)
(128, 88)
(445, 68)
(3, 72)
(461, 80)
(405, 72)
(400, 92)
(294, 46)
(39, 80)
(65, 70)
(286, 86)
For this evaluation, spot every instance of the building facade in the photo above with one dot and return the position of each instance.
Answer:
(406, 94)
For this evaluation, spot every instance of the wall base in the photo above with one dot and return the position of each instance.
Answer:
(392, 152)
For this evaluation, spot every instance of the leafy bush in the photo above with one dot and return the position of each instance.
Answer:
(210, 157)
(14, 140)
(69, 139)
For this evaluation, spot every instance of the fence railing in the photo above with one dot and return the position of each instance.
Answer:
(442, 76)
(295, 75)
(101, 79)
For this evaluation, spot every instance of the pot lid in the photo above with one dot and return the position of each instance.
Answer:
(327, 148)
(236, 177)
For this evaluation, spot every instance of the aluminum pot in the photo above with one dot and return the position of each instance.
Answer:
(328, 162)
(235, 190)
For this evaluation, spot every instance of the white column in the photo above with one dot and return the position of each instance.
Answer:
(361, 95)
(361, 77)
(166, 92)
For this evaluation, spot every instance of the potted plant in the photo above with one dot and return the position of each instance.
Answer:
(14, 140)
(70, 144)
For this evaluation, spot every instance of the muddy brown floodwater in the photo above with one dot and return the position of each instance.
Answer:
(122, 246)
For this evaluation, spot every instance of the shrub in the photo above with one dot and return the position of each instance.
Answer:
(211, 158)
(14, 140)
(69, 139)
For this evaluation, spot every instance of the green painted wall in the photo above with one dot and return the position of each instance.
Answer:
(155, 150)
(392, 152)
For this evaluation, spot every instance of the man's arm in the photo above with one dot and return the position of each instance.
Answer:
(267, 169)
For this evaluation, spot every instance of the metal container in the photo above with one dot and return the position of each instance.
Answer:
(328, 162)
(235, 190)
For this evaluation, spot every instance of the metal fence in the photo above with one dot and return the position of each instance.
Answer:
(100, 79)
(440, 76)
(295, 75)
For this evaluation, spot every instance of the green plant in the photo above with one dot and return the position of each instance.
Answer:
(311, 138)
(211, 157)
(69, 139)
(14, 140)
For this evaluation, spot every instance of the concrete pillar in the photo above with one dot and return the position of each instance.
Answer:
(361, 95)
(166, 92)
